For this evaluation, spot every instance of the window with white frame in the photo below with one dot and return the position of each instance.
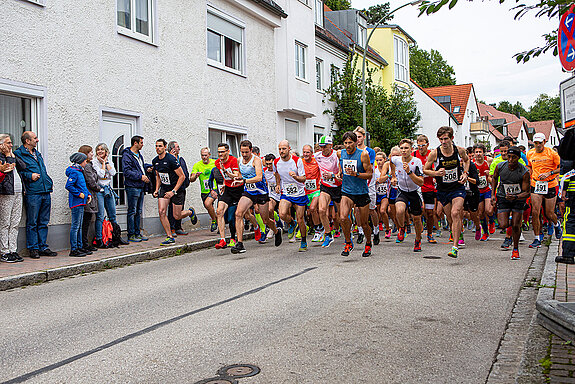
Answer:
(300, 52)
(306, 2)
(319, 74)
(318, 132)
(135, 18)
(222, 134)
(361, 30)
(318, 12)
(334, 76)
(225, 37)
(401, 59)
(292, 134)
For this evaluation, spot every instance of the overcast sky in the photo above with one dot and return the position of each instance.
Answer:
(478, 39)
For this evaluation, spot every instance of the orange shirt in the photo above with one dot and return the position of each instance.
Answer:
(312, 175)
(546, 161)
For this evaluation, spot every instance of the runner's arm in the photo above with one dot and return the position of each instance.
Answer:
(427, 169)
(181, 179)
(525, 187)
(366, 162)
(259, 171)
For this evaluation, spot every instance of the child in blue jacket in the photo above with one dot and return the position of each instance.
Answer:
(78, 196)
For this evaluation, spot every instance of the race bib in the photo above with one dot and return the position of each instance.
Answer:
(311, 185)
(381, 189)
(512, 189)
(205, 184)
(349, 166)
(328, 176)
(164, 178)
(291, 189)
(225, 173)
(221, 189)
(482, 182)
(467, 187)
(272, 187)
(450, 176)
(541, 187)
(250, 187)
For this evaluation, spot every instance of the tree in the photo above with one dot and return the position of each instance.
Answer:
(515, 109)
(377, 12)
(546, 108)
(389, 117)
(429, 69)
(551, 9)
(505, 106)
(338, 5)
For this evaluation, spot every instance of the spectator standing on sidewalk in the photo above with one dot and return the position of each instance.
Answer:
(78, 197)
(176, 225)
(37, 199)
(91, 208)
(106, 197)
(135, 182)
(10, 202)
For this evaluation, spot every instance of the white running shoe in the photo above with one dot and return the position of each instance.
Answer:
(318, 237)
(521, 238)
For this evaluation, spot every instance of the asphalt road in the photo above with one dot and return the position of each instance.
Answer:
(313, 317)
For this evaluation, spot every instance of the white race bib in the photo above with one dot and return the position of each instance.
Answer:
(164, 178)
(512, 189)
(328, 176)
(291, 189)
(482, 182)
(250, 187)
(467, 187)
(205, 184)
(450, 176)
(541, 187)
(349, 166)
(381, 189)
(225, 173)
(311, 185)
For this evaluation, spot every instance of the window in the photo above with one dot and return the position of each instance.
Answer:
(304, 2)
(456, 109)
(318, 132)
(401, 59)
(223, 133)
(300, 60)
(319, 74)
(361, 31)
(292, 134)
(225, 41)
(319, 13)
(135, 18)
(334, 74)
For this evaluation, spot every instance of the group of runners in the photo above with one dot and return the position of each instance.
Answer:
(356, 189)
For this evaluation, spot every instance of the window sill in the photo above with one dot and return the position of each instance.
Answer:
(304, 3)
(302, 80)
(320, 91)
(41, 3)
(218, 65)
(136, 36)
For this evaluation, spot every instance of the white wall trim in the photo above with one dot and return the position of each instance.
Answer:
(212, 124)
(102, 110)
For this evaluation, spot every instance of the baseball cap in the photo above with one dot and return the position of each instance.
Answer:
(514, 150)
(539, 137)
(325, 140)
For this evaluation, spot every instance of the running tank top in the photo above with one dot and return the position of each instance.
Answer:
(483, 171)
(248, 171)
(352, 185)
(453, 171)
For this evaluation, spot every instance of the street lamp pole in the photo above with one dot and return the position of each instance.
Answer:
(365, 54)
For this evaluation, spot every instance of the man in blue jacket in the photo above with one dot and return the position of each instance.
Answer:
(135, 181)
(37, 199)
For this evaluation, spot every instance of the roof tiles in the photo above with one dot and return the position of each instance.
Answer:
(459, 97)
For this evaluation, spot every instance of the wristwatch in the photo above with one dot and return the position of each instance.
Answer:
(410, 172)
(174, 192)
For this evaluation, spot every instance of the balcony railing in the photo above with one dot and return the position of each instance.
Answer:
(479, 128)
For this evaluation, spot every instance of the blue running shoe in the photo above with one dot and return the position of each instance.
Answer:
(291, 229)
(558, 232)
(303, 247)
(535, 244)
(263, 237)
(327, 241)
(550, 229)
(168, 241)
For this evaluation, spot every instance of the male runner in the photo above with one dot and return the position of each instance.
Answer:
(330, 184)
(485, 208)
(255, 192)
(408, 172)
(312, 184)
(511, 183)
(356, 171)
(382, 191)
(360, 133)
(169, 180)
(544, 164)
(428, 191)
(290, 178)
(270, 176)
(202, 170)
(450, 178)
(233, 188)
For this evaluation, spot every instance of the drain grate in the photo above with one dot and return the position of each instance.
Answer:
(218, 380)
(229, 374)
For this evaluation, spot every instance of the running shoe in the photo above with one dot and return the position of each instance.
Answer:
(535, 244)
(388, 233)
(558, 232)
(263, 237)
(478, 235)
(278, 237)
(525, 226)
(347, 249)
(461, 241)
(394, 231)
(214, 226)
(360, 237)
(168, 241)
(257, 234)
(438, 233)
(302, 247)
(318, 237)
(485, 237)
(232, 243)
(453, 252)
(337, 234)
(417, 246)
(10, 258)
(174, 234)
(506, 243)
(142, 238)
(515, 255)
(431, 240)
(355, 229)
(381, 226)
(134, 239)
(376, 239)
(327, 241)
(400, 235)
(451, 237)
(366, 251)
(181, 232)
(298, 235)
(550, 229)
(521, 237)
(492, 228)
(408, 229)
(222, 244)
(291, 230)
(193, 216)
(238, 248)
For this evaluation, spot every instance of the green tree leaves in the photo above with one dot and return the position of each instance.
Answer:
(338, 5)
(429, 69)
(378, 12)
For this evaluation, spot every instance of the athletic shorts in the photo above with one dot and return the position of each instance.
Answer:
(504, 205)
(259, 198)
(178, 199)
(429, 199)
(446, 197)
(333, 192)
(299, 200)
(551, 192)
(205, 196)
(311, 196)
(232, 195)
(485, 195)
(358, 200)
(471, 202)
(411, 200)
(392, 195)
(379, 198)
(372, 200)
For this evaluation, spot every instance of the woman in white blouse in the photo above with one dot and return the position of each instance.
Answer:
(107, 197)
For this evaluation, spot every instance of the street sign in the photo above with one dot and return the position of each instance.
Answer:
(566, 41)
(567, 97)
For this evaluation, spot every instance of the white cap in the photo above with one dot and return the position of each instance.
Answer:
(539, 137)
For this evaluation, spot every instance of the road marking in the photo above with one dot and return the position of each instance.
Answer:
(149, 329)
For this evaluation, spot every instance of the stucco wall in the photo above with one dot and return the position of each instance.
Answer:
(432, 117)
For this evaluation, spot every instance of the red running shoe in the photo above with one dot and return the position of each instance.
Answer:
(258, 234)
(485, 237)
(417, 246)
(492, 228)
(477, 235)
(367, 251)
(222, 244)
(515, 255)
(400, 235)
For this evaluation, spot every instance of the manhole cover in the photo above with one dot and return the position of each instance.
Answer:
(218, 380)
(432, 257)
(239, 370)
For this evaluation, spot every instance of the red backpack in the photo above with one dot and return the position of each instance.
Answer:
(106, 232)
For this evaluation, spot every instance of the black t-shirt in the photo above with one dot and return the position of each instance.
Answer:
(166, 168)
(474, 174)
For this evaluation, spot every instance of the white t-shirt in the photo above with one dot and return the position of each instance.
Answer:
(271, 180)
(404, 181)
(290, 186)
